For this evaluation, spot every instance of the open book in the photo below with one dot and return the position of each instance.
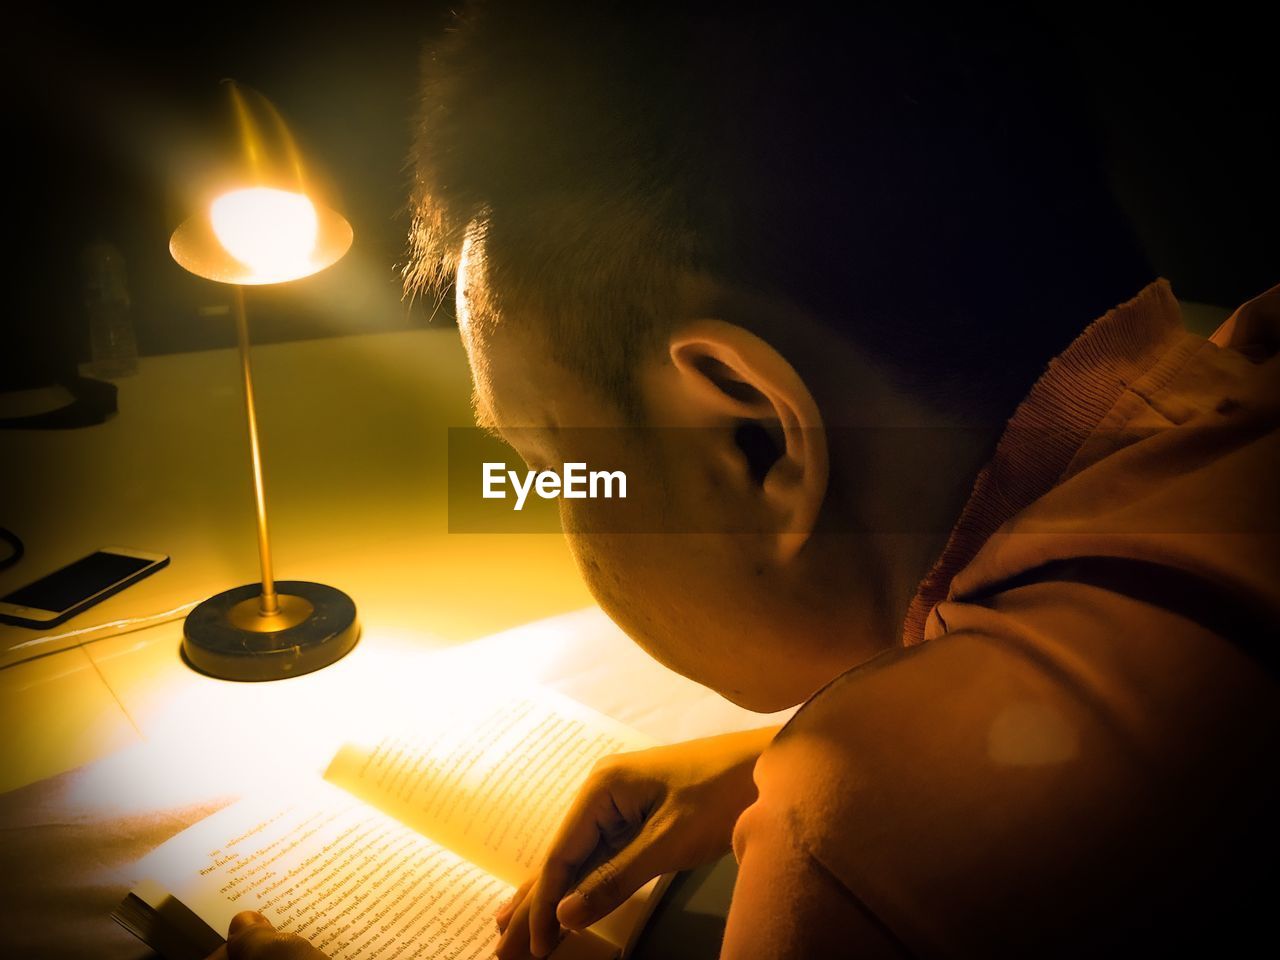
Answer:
(404, 848)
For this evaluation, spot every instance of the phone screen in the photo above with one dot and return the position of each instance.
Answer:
(77, 581)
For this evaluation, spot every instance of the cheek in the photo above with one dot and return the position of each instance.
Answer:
(621, 579)
(650, 587)
(603, 563)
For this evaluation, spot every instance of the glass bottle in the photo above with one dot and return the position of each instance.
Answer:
(114, 349)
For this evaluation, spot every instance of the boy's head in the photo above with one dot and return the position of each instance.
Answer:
(765, 228)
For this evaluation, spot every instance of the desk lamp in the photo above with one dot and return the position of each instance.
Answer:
(264, 228)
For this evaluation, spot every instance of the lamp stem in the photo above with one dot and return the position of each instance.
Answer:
(269, 605)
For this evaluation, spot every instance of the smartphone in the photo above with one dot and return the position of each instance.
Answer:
(62, 594)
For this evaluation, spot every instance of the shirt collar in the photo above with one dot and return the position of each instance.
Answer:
(1062, 409)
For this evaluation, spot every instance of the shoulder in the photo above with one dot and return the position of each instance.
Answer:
(878, 780)
(928, 729)
(970, 788)
(935, 777)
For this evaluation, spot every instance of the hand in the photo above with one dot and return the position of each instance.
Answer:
(252, 937)
(637, 816)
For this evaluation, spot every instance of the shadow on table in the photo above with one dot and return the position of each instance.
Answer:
(688, 923)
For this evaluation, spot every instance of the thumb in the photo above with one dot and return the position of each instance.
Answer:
(606, 887)
(245, 919)
(253, 937)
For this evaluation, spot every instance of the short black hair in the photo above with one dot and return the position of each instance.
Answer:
(926, 179)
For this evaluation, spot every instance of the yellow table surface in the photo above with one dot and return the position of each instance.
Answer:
(354, 434)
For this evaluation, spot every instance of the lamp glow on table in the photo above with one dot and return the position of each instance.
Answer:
(250, 236)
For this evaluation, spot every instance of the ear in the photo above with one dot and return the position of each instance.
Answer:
(731, 379)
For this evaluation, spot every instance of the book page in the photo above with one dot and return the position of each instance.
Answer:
(490, 780)
(352, 881)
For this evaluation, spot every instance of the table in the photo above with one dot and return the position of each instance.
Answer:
(354, 432)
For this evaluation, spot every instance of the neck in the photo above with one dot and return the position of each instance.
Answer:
(931, 511)
(901, 473)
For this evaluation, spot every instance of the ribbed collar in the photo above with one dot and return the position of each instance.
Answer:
(1049, 426)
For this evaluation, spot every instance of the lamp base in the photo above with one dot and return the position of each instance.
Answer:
(225, 636)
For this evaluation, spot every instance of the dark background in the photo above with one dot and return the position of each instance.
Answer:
(110, 110)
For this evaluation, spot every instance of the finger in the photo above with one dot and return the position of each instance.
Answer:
(593, 815)
(545, 931)
(248, 935)
(245, 919)
(609, 884)
(252, 940)
(514, 943)
(257, 941)
(503, 916)
(544, 928)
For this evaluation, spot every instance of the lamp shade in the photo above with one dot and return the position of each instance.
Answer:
(198, 248)
(264, 224)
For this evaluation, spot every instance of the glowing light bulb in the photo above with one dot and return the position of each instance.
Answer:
(271, 231)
